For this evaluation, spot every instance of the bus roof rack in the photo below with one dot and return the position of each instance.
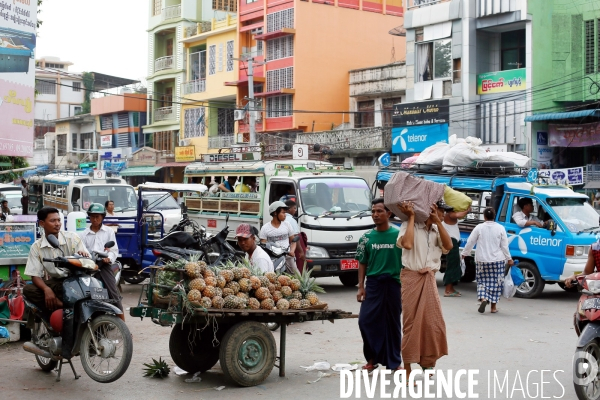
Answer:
(480, 169)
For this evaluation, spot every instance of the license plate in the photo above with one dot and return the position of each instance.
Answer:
(212, 223)
(99, 294)
(591, 304)
(348, 264)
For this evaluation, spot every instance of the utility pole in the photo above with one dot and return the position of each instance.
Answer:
(251, 101)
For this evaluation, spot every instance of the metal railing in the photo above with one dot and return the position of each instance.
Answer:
(163, 63)
(171, 12)
(163, 113)
(200, 27)
(217, 142)
(347, 139)
(197, 86)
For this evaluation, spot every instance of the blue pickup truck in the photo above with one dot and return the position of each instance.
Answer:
(546, 256)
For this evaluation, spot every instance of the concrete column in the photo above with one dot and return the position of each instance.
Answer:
(378, 112)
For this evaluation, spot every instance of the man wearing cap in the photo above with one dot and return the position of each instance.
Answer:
(247, 243)
(423, 327)
(524, 217)
(280, 233)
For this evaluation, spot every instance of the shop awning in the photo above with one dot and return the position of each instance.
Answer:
(140, 171)
(592, 185)
(562, 115)
(174, 164)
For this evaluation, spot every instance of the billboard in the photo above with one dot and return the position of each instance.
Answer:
(414, 139)
(421, 113)
(501, 81)
(18, 20)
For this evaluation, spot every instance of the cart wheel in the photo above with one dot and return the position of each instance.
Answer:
(192, 350)
(248, 353)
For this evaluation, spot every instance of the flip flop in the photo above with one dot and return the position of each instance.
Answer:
(482, 306)
(453, 294)
(369, 367)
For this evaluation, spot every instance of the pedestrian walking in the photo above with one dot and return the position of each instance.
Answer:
(423, 327)
(24, 197)
(380, 262)
(453, 270)
(491, 256)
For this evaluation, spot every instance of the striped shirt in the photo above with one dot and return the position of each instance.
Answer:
(69, 243)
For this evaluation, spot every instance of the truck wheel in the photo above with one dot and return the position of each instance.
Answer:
(469, 275)
(533, 285)
(191, 349)
(349, 278)
(247, 353)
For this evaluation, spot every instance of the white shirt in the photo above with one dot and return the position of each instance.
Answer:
(492, 243)
(214, 189)
(261, 259)
(289, 218)
(280, 237)
(24, 191)
(452, 230)
(94, 241)
(427, 248)
(521, 219)
(68, 242)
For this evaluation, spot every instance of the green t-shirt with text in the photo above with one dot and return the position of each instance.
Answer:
(379, 252)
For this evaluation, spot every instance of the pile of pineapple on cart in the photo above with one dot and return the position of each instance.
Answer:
(219, 314)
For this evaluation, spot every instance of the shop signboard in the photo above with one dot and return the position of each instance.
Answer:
(421, 113)
(544, 152)
(231, 157)
(568, 176)
(16, 240)
(18, 20)
(411, 139)
(106, 141)
(185, 153)
(574, 135)
(501, 81)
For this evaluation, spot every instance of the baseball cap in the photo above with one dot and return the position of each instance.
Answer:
(443, 206)
(275, 205)
(244, 231)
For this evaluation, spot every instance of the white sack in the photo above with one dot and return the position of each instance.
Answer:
(518, 159)
(433, 155)
(464, 155)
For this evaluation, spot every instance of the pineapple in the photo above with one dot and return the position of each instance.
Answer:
(262, 293)
(209, 292)
(218, 292)
(264, 281)
(192, 270)
(283, 304)
(159, 369)
(206, 302)
(277, 296)
(312, 297)
(267, 304)
(284, 280)
(202, 266)
(304, 303)
(227, 274)
(254, 282)
(295, 284)
(242, 295)
(297, 295)
(308, 287)
(294, 304)
(197, 284)
(272, 276)
(238, 274)
(286, 291)
(271, 288)
(246, 272)
(221, 281)
(227, 292)
(217, 302)
(208, 272)
(194, 295)
(253, 303)
(242, 301)
(278, 286)
(230, 302)
(233, 285)
(210, 280)
(244, 285)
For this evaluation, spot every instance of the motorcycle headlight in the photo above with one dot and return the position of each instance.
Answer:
(593, 286)
(316, 252)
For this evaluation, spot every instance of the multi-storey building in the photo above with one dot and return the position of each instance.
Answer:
(59, 92)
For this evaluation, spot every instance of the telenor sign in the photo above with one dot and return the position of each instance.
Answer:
(501, 81)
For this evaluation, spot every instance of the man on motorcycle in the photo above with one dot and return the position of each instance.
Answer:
(592, 264)
(48, 294)
(247, 243)
(94, 239)
(280, 233)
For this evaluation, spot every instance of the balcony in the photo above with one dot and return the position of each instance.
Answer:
(349, 140)
(200, 27)
(164, 113)
(385, 79)
(218, 142)
(172, 12)
(197, 86)
(163, 63)
(412, 4)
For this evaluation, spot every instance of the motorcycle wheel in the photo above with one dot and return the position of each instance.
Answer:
(591, 390)
(39, 331)
(115, 345)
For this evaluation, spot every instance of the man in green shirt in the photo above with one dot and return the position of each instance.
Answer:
(380, 262)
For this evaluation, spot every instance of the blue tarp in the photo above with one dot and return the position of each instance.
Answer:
(562, 115)
(33, 172)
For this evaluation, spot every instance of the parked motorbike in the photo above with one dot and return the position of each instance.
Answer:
(586, 361)
(86, 326)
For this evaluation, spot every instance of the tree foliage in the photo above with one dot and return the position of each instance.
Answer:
(17, 162)
(88, 84)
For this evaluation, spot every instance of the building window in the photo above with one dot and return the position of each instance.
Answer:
(123, 120)
(512, 49)
(278, 79)
(589, 47)
(164, 141)
(434, 60)
(225, 124)
(280, 48)
(46, 86)
(281, 19)
(212, 55)
(86, 140)
(157, 7)
(194, 122)
(76, 86)
(74, 142)
(229, 55)
(388, 110)
(365, 117)
(198, 65)
(225, 5)
(106, 122)
(61, 145)
(251, 1)
(76, 110)
(279, 106)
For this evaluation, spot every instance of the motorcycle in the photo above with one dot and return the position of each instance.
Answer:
(86, 326)
(586, 361)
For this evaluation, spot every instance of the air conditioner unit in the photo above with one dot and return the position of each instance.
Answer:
(239, 115)
(184, 142)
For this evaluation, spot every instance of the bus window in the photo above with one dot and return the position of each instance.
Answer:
(75, 196)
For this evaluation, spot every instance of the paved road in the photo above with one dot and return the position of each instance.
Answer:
(525, 336)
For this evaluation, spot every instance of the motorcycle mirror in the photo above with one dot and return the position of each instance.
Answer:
(53, 240)
(108, 245)
(226, 218)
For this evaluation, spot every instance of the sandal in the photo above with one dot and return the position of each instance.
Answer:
(494, 311)
(453, 294)
(482, 306)
(369, 367)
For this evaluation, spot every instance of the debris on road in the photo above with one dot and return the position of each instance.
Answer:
(194, 379)
(318, 366)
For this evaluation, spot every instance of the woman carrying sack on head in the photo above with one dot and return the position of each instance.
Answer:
(490, 258)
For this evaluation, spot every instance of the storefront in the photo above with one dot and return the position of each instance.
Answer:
(143, 167)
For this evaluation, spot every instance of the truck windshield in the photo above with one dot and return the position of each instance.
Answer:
(576, 213)
(336, 195)
(123, 196)
(160, 201)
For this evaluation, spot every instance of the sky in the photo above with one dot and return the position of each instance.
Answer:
(105, 36)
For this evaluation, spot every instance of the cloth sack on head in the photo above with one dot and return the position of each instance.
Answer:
(457, 200)
(405, 187)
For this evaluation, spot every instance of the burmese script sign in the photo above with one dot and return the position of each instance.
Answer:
(422, 113)
(573, 135)
(16, 240)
